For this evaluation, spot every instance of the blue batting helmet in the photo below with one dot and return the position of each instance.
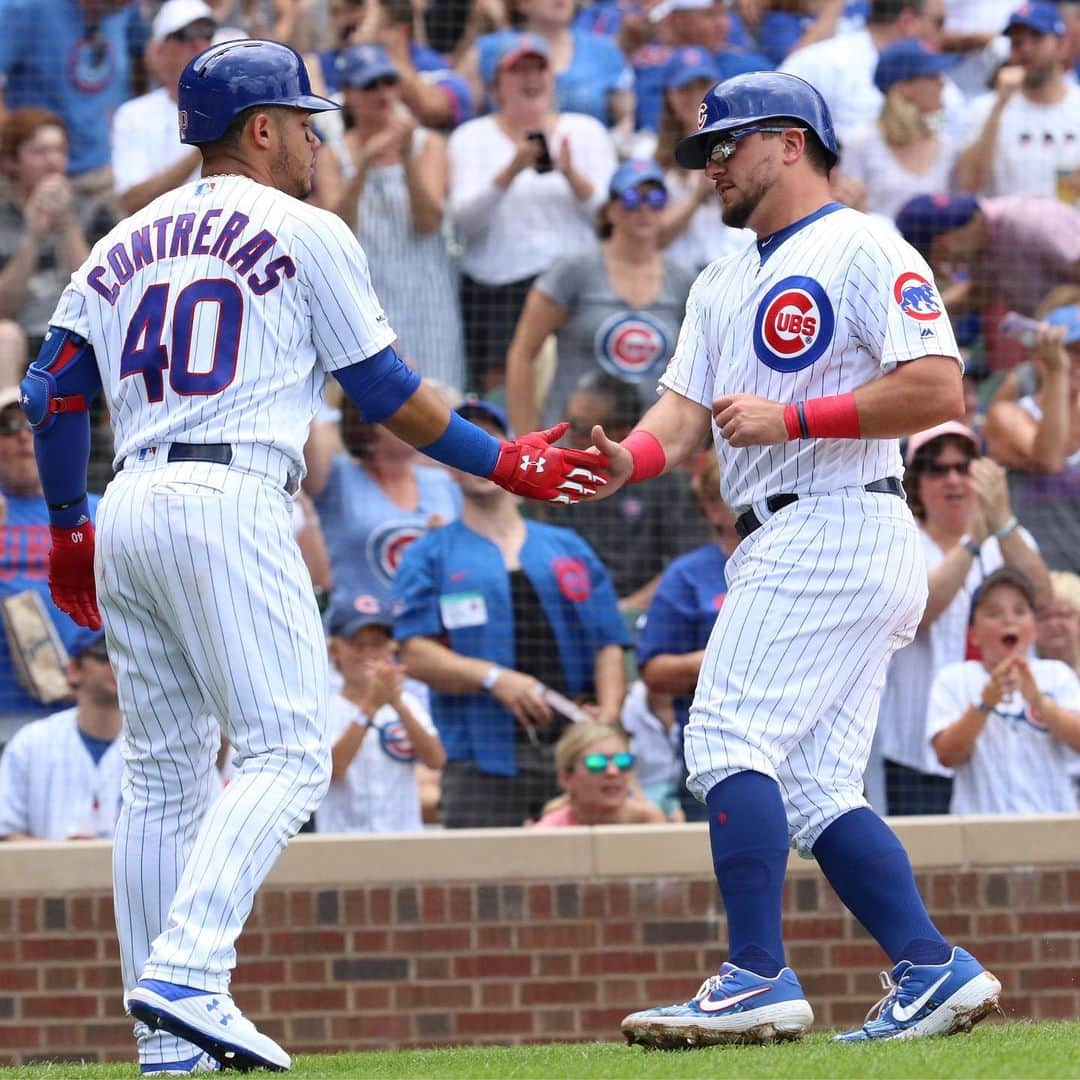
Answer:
(226, 79)
(748, 99)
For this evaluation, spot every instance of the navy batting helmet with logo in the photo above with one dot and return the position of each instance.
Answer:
(748, 99)
(220, 83)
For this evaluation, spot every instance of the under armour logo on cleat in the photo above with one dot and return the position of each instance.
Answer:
(528, 463)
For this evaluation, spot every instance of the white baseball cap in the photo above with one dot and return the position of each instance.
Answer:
(666, 7)
(9, 395)
(176, 14)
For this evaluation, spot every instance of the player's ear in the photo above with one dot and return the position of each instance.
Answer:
(793, 142)
(261, 129)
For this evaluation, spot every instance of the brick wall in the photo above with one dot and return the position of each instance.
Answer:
(393, 965)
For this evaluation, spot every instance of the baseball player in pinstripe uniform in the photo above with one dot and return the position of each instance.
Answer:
(211, 319)
(808, 354)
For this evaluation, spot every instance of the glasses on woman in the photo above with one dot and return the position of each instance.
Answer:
(728, 143)
(598, 763)
(634, 198)
(380, 83)
(13, 423)
(943, 468)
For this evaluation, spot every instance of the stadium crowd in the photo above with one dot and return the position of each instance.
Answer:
(508, 167)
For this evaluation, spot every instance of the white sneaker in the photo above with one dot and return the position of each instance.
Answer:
(211, 1021)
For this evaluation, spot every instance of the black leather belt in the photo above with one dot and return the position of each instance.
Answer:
(217, 454)
(747, 523)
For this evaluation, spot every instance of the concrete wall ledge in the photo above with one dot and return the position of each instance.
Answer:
(501, 855)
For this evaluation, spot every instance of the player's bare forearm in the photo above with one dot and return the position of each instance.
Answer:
(421, 419)
(678, 425)
(914, 396)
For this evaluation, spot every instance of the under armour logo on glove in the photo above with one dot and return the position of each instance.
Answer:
(555, 474)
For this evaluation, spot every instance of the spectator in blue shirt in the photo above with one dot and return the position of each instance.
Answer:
(495, 613)
(24, 554)
(591, 73)
(671, 644)
(438, 96)
(704, 23)
(74, 58)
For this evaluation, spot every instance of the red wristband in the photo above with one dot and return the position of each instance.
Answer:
(823, 418)
(648, 454)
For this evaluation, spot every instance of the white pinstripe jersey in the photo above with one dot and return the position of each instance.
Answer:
(216, 311)
(836, 302)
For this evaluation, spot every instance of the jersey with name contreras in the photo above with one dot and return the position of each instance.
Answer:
(817, 309)
(216, 311)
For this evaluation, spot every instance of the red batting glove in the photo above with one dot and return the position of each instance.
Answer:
(71, 573)
(532, 467)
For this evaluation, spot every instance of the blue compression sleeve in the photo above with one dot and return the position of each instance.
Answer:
(62, 441)
(464, 446)
(379, 385)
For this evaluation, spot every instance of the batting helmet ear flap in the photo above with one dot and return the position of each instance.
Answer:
(751, 99)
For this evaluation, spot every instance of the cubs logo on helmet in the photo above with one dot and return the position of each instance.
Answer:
(631, 345)
(917, 297)
(793, 325)
(386, 545)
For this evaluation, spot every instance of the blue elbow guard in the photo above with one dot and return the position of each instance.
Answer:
(379, 385)
(41, 395)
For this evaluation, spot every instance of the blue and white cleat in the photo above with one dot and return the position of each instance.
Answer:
(733, 1006)
(210, 1021)
(201, 1062)
(930, 999)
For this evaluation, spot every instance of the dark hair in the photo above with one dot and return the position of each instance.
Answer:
(888, 11)
(624, 404)
(1004, 576)
(604, 228)
(231, 137)
(924, 456)
(815, 151)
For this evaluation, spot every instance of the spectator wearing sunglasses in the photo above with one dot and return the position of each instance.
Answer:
(596, 772)
(617, 309)
(148, 158)
(394, 198)
(968, 530)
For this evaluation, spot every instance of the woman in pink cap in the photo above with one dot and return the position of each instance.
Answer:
(961, 502)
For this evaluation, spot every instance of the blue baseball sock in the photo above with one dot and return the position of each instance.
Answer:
(870, 871)
(749, 836)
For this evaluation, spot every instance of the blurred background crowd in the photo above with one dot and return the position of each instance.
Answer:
(508, 166)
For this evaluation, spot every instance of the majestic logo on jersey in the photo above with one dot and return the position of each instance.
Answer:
(918, 299)
(793, 325)
(386, 545)
(573, 578)
(395, 742)
(631, 345)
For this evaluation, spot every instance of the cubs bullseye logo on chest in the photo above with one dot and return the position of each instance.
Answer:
(631, 345)
(793, 324)
(386, 545)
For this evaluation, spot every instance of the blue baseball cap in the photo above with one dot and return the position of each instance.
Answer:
(345, 617)
(473, 407)
(687, 64)
(84, 641)
(1069, 317)
(922, 219)
(359, 65)
(1038, 15)
(909, 58)
(633, 172)
(511, 47)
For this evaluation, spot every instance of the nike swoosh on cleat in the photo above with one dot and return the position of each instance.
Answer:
(903, 1013)
(719, 1006)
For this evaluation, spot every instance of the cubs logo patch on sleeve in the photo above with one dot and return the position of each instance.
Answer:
(917, 297)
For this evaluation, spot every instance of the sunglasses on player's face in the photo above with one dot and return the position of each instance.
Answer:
(728, 143)
(655, 198)
(598, 763)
